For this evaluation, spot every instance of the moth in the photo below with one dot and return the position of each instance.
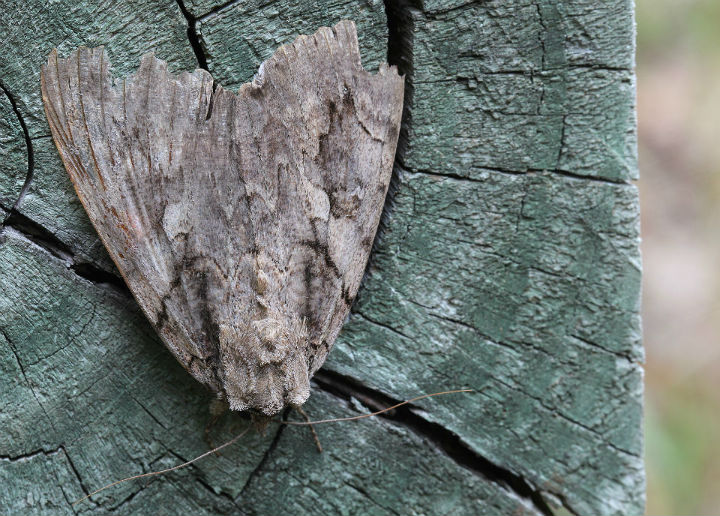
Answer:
(242, 221)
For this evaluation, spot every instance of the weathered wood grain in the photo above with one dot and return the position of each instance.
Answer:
(508, 263)
(13, 153)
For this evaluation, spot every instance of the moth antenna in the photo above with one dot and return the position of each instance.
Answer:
(371, 414)
(168, 470)
(218, 407)
(312, 428)
(293, 423)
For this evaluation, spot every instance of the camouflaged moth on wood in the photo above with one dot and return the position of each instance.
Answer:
(242, 222)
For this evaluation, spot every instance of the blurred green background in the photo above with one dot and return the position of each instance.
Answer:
(678, 67)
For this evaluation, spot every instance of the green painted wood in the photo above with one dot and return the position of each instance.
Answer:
(13, 153)
(508, 263)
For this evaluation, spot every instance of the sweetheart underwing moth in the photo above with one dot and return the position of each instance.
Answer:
(241, 222)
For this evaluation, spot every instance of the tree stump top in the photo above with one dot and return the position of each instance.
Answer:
(507, 262)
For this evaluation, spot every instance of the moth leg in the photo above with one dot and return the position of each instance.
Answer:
(311, 427)
(218, 408)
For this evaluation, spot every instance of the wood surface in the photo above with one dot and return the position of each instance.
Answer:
(507, 261)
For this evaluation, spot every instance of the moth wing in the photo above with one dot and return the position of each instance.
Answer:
(243, 222)
(314, 137)
(122, 147)
(326, 133)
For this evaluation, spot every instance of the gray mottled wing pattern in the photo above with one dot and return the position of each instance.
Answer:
(242, 222)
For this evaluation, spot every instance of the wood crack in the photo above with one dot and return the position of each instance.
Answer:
(567, 418)
(363, 492)
(221, 494)
(27, 380)
(444, 440)
(75, 470)
(575, 175)
(28, 146)
(48, 453)
(194, 37)
(555, 171)
(225, 6)
(401, 16)
(380, 324)
(273, 445)
(30, 454)
(45, 239)
(129, 498)
(147, 411)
